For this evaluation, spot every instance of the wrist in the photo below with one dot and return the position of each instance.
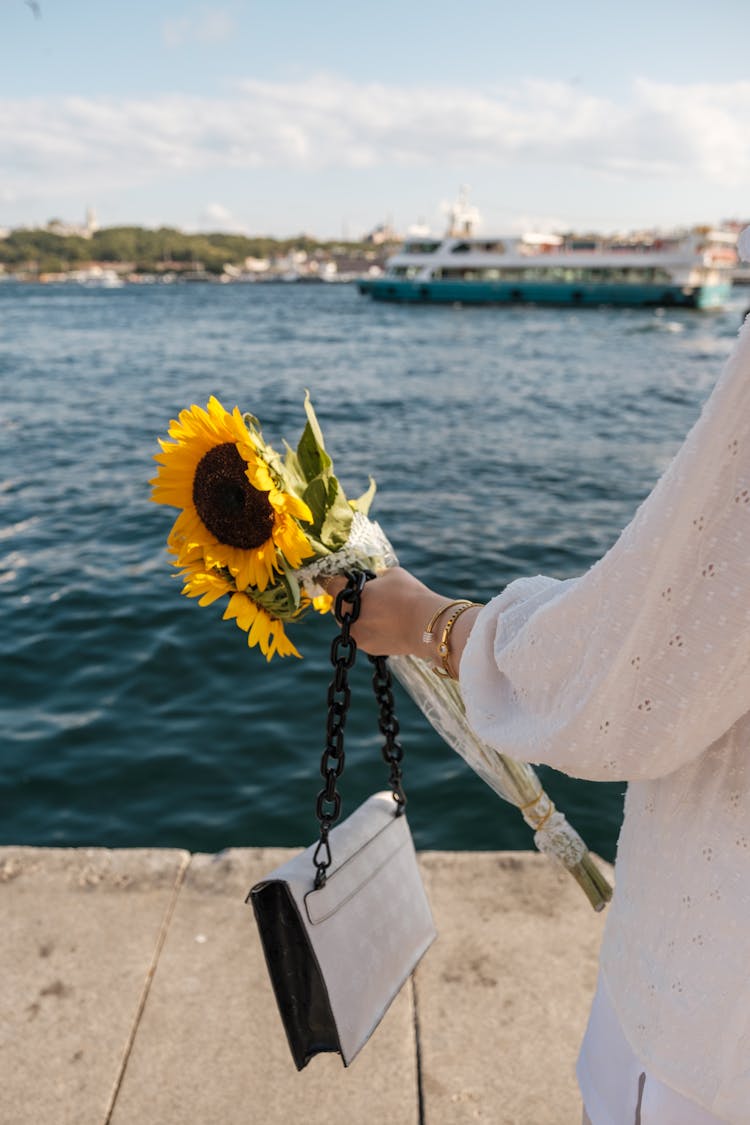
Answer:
(425, 622)
(434, 635)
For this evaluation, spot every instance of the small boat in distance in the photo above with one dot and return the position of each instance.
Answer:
(691, 269)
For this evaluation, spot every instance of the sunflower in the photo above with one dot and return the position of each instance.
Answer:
(261, 627)
(261, 624)
(207, 586)
(234, 516)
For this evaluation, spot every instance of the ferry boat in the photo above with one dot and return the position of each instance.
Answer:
(693, 269)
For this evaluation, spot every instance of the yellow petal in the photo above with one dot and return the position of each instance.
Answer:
(240, 607)
(322, 603)
(259, 631)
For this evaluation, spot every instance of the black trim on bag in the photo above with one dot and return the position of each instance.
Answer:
(297, 981)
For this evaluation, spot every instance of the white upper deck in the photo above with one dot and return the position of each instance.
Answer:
(462, 248)
(707, 249)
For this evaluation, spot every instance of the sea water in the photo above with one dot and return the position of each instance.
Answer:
(504, 442)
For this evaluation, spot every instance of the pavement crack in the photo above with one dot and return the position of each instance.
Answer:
(418, 1051)
(161, 938)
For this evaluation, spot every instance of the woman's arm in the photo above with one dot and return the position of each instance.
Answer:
(396, 608)
(636, 667)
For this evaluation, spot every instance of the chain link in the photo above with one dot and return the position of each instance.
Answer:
(343, 654)
(392, 750)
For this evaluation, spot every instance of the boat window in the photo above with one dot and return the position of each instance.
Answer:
(488, 273)
(478, 246)
(404, 271)
(593, 275)
(420, 247)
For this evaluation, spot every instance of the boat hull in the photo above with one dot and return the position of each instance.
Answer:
(407, 290)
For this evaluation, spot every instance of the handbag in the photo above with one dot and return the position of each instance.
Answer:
(345, 923)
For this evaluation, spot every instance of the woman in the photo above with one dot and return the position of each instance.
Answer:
(639, 670)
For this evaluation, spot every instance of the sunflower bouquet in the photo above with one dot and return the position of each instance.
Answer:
(251, 517)
(262, 530)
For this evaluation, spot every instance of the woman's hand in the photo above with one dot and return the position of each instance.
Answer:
(396, 606)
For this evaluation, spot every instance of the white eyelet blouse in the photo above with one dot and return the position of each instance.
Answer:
(639, 670)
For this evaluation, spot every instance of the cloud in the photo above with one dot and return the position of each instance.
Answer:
(205, 25)
(701, 125)
(217, 217)
(659, 131)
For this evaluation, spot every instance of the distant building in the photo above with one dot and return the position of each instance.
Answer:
(257, 265)
(381, 234)
(67, 230)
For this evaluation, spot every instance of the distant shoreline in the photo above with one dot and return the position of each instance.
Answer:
(121, 282)
(114, 256)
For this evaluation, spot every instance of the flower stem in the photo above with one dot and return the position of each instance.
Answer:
(592, 882)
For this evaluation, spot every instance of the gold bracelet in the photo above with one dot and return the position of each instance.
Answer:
(428, 635)
(444, 647)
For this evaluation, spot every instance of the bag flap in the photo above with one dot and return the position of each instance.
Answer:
(346, 839)
(361, 866)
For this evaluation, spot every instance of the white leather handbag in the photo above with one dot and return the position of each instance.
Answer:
(339, 954)
(344, 924)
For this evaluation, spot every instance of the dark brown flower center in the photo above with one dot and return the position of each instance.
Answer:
(232, 510)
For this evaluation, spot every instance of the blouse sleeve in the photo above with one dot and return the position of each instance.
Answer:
(636, 667)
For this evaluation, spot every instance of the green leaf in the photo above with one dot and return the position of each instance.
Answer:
(338, 520)
(335, 530)
(332, 516)
(323, 494)
(312, 421)
(316, 498)
(294, 479)
(363, 502)
(311, 450)
(289, 579)
(277, 600)
(311, 455)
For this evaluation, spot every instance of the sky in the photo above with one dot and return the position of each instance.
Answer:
(279, 117)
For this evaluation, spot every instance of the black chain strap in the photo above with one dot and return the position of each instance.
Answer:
(343, 654)
(392, 750)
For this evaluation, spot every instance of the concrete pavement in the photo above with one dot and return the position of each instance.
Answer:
(134, 992)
